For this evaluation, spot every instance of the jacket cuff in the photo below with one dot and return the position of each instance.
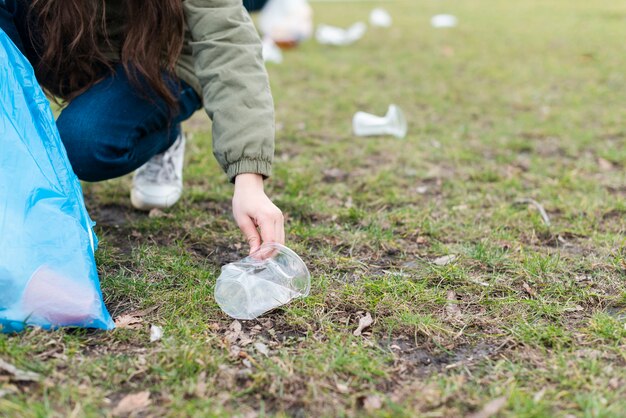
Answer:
(248, 165)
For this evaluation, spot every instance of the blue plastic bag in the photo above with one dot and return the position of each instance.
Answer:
(48, 274)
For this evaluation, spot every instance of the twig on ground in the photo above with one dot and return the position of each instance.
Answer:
(537, 205)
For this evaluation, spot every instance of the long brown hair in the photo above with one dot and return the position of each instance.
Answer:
(72, 39)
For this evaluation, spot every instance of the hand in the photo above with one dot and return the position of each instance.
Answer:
(253, 209)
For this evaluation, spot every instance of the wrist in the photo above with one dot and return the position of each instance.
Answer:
(249, 180)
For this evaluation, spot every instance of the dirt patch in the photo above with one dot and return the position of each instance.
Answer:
(114, 215)
(215, 253)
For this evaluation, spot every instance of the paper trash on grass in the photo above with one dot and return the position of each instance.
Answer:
(444, 21)
(393, 123)
(156, 333)
(271, 51)
(331, 35)
(380, 17)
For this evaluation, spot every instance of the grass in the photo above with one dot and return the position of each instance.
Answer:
(521, 100)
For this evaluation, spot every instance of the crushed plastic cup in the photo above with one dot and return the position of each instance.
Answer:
(393, 123)
(380, 17)
(267, 279)
(444, 21)
(271, 51)
(332, 35)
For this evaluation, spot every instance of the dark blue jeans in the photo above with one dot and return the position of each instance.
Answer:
(111, 129)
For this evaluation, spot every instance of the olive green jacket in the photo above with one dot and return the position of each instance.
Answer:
(222, 61)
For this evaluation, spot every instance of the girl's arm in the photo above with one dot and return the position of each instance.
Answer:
(236, 96)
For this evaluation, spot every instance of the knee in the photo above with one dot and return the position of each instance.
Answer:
(92, 155)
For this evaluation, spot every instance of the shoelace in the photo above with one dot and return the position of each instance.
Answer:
(161, 167)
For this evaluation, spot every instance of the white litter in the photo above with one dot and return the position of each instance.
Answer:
(287, 22)
(444, 21)
(271, 52)
(331, 35)
(156, 333)
(380, 17)
(393, 123)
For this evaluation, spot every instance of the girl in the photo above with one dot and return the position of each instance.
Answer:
(130, 71)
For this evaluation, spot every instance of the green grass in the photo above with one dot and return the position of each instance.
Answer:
(521, 100)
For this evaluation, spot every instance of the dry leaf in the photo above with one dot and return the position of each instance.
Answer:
(364, 322)
(18, 375)
(234, 350)
(235, 326)
(132, 403)
(156, 333)
(605, 165)
(342, 388)
(234, 332)
(244, 340)
(262, 348)
(158, 213)
(452, 307)
(529, 290)
(128, 321)
(334, 174)
(445, 260)
(372, 403)
(447, 51)
(201, 386)
(491, 408)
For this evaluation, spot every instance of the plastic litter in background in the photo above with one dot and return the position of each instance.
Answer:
(393, 123)
(444, 21)
(381, 18)
(332, 35)
(271, 277)
(48, 275)
(271, 51)
(287, 22)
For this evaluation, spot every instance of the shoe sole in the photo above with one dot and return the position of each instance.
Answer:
(145, 202)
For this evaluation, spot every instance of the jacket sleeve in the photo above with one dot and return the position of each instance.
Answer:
(236, 93)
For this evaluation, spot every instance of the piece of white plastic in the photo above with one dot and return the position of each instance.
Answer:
(271, 51)
(265, 280)
(444, 21)
(286, 22)
(156, 333)
(380, 17)
(332, 35)
(393, 123)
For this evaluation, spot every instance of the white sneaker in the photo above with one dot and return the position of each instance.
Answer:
(159, 182)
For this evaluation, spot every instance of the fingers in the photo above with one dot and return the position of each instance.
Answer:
(272, 227)
(250, 232)
(279, 226)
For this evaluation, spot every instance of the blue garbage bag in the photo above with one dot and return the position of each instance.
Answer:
(48, 275)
